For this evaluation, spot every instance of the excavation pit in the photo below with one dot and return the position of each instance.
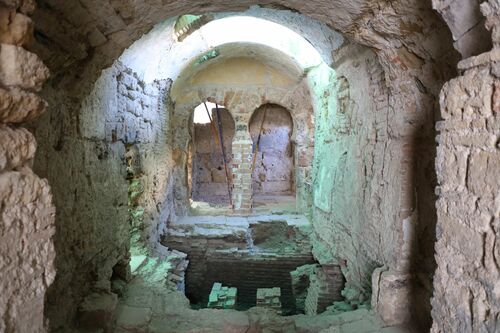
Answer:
(247, 253)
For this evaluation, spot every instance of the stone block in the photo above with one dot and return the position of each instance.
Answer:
(17, 105)
(222, 297)
(483, 177)
(15, 28)
(21, 68)
(392, 299)
(17, 147)
(269, 298)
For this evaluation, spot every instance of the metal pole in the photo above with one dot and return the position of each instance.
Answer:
(258, 141)
(219, 140)
(219, 122)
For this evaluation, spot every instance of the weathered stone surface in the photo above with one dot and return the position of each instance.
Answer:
(466, 281)
(20, 68)
(15, 28)
(491, 10)
(466, 24)
(379, 172)
(374, 123)
(208, 177)
(391, 296)
(133, 318)
(17, 105)
(17, 148)
(24, 6)
(27, 252)
(274, 165)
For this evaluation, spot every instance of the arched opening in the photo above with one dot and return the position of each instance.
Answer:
(273, 174)
(359, 195)
(210, 153)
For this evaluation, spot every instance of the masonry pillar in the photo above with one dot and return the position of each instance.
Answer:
(467, 279)
(242, 168)
(26, 210)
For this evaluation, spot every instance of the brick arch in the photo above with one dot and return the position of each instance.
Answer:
(241, 105)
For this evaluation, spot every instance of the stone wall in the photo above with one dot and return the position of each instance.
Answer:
(367, 177)
(349, 148)
(26, 208)
(466, 283)
(242, 97)
(83, 153)
(274, 164)
(414, 50)
(209, 183)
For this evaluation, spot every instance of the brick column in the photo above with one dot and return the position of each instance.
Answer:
(242, 169)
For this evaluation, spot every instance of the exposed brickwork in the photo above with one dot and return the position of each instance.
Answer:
(242, 174)
(325, 287)
(229, 258)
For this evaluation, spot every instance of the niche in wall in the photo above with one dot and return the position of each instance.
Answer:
(207, 175)
(271, 128)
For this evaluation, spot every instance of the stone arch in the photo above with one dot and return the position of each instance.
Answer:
(271, 129)
(396, 59)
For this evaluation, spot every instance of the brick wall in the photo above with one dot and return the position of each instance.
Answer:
(242, 175)
(241, 105)
(225, 254)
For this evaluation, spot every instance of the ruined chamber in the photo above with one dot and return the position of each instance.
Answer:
(357, 229)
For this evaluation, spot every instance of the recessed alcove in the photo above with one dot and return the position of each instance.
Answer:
(210, 155)
(273, 164)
